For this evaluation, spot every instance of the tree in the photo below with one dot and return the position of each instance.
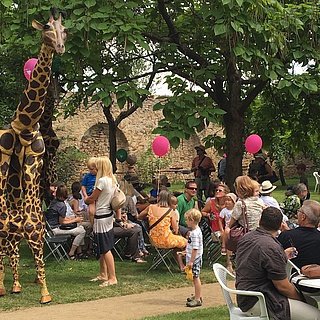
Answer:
(223, 54)
(106, 58)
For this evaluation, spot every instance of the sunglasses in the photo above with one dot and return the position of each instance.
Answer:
(195, 189)
(220, 190)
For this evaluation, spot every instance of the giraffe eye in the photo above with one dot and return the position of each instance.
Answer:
(46, 27)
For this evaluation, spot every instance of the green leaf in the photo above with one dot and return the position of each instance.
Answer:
(78, 11)
(218, 111)
(193, 121)
(90, 3)
(219, 29)
(311, 85)
(283, 83)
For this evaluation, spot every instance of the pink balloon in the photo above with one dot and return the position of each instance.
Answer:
(28, 67)
(160, 146)
(253, 143)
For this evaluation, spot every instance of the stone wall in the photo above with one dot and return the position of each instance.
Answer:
(88, 131)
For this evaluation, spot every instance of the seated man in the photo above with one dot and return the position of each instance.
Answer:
(261, 266)
(185, 202)
(306, 237)
(131, 233)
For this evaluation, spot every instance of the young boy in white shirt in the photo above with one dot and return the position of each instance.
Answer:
(194, 251)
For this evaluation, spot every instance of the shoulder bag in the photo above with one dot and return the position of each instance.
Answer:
(237, 230)
(118, 198)
(160, 219)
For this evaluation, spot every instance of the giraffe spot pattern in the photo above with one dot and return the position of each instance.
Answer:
(7, 141)
(31, 94)
(24, 119)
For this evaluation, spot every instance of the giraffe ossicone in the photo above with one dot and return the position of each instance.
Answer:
(21, 151)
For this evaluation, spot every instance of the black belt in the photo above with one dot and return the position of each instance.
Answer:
(102, 216)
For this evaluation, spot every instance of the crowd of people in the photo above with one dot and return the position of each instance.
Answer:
(168, 220)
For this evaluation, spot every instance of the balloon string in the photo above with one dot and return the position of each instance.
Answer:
(159, 176)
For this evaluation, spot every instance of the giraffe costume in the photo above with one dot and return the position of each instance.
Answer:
(21, 150)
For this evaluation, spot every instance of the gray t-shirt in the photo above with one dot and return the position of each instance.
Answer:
(261, 259)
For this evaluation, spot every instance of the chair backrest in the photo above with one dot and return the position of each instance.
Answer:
(235, 313)
(316, 176)
(290, 267)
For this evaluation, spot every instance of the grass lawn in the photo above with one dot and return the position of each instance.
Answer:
(71, 283)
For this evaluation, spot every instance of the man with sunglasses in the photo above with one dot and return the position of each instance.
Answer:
(186, 201)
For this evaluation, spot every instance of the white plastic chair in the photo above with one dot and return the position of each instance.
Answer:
(235, 313)
(311, 298)
(317, 185)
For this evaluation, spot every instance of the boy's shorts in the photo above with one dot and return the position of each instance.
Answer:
(196, 267)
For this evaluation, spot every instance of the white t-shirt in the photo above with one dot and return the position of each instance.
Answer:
(226, 215)
(195, 241)
(107, 190)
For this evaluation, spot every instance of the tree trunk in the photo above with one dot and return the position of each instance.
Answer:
(282, 178)
(112, 136)
(234, 125)
(113, 144)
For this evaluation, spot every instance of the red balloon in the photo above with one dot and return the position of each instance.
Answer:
(160, 146)
(253, 143)
(28, 67)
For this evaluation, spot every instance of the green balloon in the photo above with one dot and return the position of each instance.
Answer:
(121, 155)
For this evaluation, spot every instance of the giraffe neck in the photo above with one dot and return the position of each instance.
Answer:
(29, 111)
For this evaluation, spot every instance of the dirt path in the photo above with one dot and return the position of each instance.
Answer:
(122, 308)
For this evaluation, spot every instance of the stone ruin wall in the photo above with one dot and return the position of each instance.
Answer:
(88, 131)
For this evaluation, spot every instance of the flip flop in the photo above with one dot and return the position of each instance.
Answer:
(106, 284)
(97, 278)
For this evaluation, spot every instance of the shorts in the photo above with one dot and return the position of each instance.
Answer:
(196, 267)
(215, 235)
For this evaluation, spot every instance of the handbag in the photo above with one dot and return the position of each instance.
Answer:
(237, 231)
(118, 198)
(68, 226)
(311, 270)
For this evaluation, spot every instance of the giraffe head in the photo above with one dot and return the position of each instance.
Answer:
(54, 34)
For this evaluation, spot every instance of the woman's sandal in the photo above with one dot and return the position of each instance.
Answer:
(98, 278)
(139, 260)
(82, 256)
(73, 257)
(106, 284)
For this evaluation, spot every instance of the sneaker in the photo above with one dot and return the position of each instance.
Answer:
(192, 298)
(194, 303)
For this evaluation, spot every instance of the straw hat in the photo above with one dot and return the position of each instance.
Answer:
(266, 187)
(232, 196)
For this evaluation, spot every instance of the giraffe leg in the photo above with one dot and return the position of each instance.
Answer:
(2, 274)
(37, 250)
(34, 226)
(14, 258)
